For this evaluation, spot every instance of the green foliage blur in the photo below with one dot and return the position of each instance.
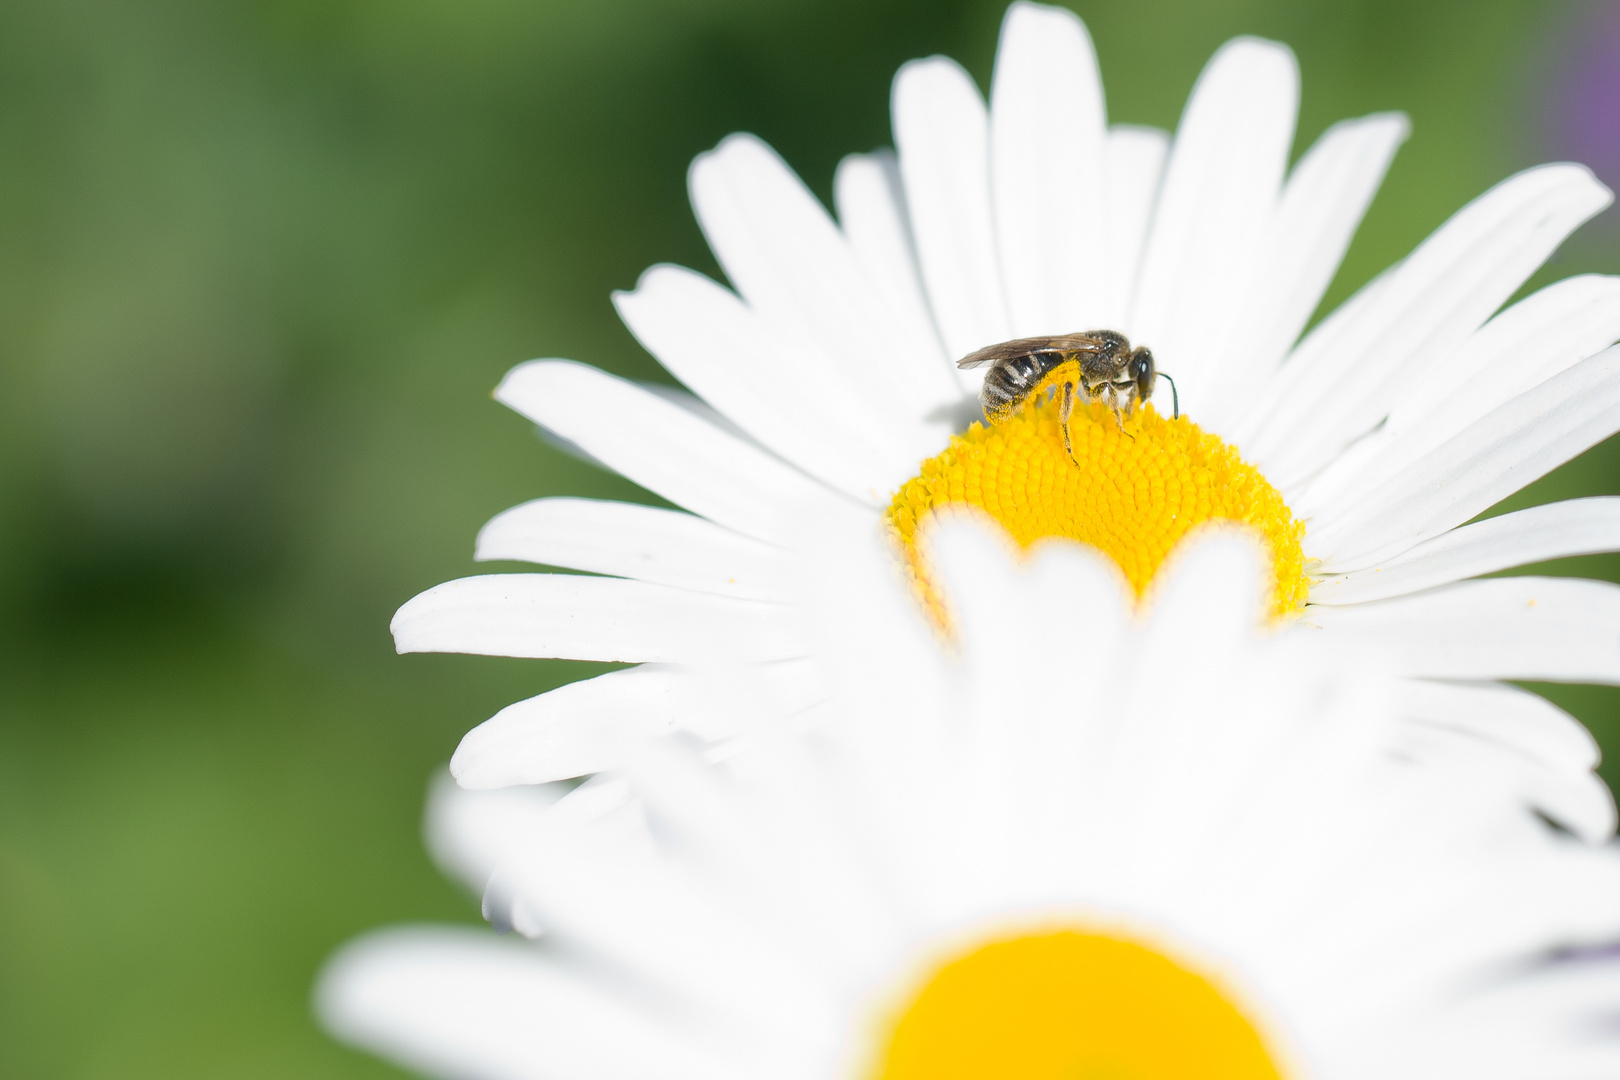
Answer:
(261, 264)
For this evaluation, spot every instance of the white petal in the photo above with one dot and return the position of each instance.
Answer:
(668, 450)
(1525, 345)
(1047, 172)
(1554, 531)
(1344, 377)
(461, 1003)
(774, 385)
(1579, 801)
(665, 547)
(665, 922)
(1540, 897)
(1135, 166)
(1528, 343)
(596, 724)
(601, 804)
(796, 270)
(1261, 415)
(1555, 629)
(1221, 187)
(1543, 1023)
(574, 617)
(1322, 204)
(1527, 722)
(1557, 753)
(469, 833)
(941, 131)
(1521, 440)
(872, 212)
(1024, 757)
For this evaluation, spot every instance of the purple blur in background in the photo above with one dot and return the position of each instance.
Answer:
(1582, 117)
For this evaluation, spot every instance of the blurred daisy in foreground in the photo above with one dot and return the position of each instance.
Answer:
(1194, 850)
(826, 391)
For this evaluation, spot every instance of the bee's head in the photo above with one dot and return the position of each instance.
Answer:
(1142, 372)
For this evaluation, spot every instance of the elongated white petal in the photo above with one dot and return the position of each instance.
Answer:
(574, 730)
(1246, 429)
(773, 385)
(1134, 169)
(461, 1003)
(1585, 806)
(1517, 1027)
(573, 617)
(872, 212)
(783, 253)
(634, 907)
(1494, 457)
(1556, 752)
(1554, 629)
(595, 803)
(596, 724)
(1527, 344)
(1554, 531)
(997, 614)
(665, 547)
(1326, 196)
(1221, 187)
(1347, 374)
(942, 133)
(468, 833)
(1579, 801)
(668, 450)
(1527, 722)
(1047, 172)
(817, 890)
(796, 270)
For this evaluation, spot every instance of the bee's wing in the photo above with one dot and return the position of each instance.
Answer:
(1009, 350)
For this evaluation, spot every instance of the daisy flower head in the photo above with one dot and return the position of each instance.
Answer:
(971, 866)
(824, 391)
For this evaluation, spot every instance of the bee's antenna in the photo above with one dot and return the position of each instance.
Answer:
(1175, 397)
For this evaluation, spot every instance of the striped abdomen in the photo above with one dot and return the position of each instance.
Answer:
(1010, 382)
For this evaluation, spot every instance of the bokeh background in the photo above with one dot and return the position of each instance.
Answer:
(261, 263)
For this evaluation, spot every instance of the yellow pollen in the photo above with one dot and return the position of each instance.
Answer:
(1133, 494)
(1071, 1006)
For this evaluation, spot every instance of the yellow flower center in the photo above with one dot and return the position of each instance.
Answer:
(1132, 493)
(1071, 1006)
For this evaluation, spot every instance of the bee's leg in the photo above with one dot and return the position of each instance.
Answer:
(1119, 414)
(1064, 412)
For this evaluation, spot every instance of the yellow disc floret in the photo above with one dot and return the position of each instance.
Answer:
(1071, 1005)
(1133, 493)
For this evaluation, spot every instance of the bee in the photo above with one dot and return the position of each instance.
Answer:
(1098, 363)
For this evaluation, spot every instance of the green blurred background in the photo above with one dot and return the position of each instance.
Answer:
(260, 266)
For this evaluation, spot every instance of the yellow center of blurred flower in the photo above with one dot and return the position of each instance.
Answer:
(1071, 1006)
(1133, 494)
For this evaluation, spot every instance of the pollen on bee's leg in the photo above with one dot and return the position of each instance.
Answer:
(1133, 493)
(1063, 420)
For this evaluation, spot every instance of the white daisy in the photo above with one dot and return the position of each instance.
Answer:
(1191, 852)
(825, 374)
